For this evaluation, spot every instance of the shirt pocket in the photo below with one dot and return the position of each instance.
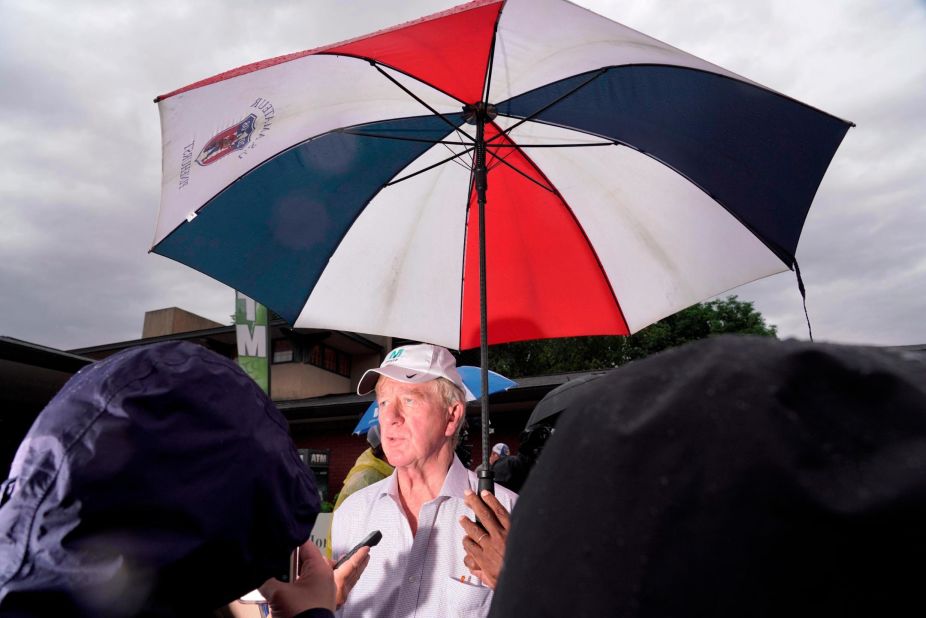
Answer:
(468, 599)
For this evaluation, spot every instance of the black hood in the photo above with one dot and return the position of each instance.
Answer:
(737, 476)
(160, 479)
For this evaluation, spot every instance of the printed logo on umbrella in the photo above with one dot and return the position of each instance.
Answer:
(238, 137)
(233, 138)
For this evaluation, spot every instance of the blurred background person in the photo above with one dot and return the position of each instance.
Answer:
(511, 471)
(499, 450)
(369, 468)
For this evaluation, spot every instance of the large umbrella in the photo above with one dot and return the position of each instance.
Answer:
(501, 171)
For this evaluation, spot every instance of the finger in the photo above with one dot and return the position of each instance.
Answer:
(271, 586)
(355, 574)
(311, 559)
(500, 512)
(471, 528)
(364, 553)
(472, 548)
(363, 562)
(483, 513)
(358, 560)
(470, 563)
(346, 575)
(355, 565)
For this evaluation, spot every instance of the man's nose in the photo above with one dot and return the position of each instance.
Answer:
(391, 413)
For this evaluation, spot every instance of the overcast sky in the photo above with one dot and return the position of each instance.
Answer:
(80, 147)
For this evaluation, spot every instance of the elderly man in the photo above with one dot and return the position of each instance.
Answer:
(418, 567)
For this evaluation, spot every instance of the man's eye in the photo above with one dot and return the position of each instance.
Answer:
(409, 400)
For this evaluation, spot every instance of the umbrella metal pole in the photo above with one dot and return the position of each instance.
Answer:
(486, 475)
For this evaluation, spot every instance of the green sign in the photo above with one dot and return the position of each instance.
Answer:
(252, 333)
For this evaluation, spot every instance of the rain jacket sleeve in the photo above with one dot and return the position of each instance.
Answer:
(367, 470)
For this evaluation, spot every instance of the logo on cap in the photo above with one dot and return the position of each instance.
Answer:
(394, 355)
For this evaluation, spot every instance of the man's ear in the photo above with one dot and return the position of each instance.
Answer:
(457, 413)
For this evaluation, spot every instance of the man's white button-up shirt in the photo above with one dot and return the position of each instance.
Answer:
(408, 576)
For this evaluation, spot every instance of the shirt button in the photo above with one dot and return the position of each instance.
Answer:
(413, 578)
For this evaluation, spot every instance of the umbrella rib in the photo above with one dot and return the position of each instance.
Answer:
(533, 180)
(430, 167)
(487, 85)
(507, 131)
(420, 100)
(522, 146)
(514, 148)
(449, 143)
(403, 139)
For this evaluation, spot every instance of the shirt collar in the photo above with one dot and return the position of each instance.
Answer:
(391, 486)
(455, 483)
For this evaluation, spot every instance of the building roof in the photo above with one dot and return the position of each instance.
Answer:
(225, 336)
(35, 355)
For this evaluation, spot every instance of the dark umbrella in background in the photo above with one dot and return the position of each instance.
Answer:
(512, 471)
(501, 171)
(547, 409)
(734, 476)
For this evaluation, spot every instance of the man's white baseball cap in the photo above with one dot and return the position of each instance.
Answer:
(414, 364)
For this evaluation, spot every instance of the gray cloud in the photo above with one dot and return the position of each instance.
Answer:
(80, 147)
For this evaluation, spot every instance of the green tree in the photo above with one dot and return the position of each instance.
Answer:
(525, 358)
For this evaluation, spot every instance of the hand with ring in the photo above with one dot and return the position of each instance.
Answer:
(485, 544)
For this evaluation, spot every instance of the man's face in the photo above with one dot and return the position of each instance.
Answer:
(414, 421)
(494, 457)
